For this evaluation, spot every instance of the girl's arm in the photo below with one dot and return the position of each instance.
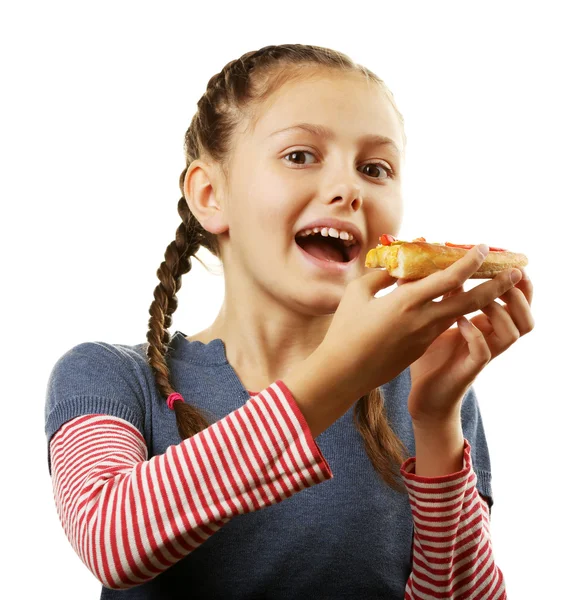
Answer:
(452, 549)
(129, 518)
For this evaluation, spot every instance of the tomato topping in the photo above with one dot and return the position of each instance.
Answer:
(459, 245)
(386, 239)
(468, 247)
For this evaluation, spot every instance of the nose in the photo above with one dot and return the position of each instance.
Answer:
(347, 192)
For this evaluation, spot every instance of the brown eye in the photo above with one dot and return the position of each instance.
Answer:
(296, 154)
(375, 169)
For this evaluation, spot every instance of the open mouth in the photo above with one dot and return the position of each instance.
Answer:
(328, 248)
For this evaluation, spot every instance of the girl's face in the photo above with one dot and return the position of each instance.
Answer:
(281, 181)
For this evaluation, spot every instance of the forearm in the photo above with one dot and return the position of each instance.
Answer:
(321, 405)
(439, 448)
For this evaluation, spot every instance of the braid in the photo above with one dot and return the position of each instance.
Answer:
(189, 419)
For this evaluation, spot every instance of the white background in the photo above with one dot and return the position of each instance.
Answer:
(96, 99)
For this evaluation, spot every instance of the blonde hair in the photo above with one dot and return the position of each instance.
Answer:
(231, 97)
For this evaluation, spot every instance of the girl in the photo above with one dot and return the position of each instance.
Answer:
(188, 467)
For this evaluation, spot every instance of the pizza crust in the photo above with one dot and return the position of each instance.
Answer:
(415, 260)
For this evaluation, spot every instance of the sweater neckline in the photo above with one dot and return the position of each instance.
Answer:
(212, 353)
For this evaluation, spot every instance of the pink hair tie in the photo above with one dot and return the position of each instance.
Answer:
(173, 398)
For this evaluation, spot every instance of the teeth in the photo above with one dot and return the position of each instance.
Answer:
(348, 238)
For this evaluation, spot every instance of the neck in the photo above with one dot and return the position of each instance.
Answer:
(261, 349)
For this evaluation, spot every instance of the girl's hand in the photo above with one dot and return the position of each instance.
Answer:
(443, 374)
(371, 340)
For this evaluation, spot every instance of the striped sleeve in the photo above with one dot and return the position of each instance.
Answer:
(129, 518)
(452, 549)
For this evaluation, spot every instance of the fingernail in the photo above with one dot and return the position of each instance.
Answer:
(483, 249)
(515, 276)
(524, 275)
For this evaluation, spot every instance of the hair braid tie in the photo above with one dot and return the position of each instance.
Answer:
(175, 396)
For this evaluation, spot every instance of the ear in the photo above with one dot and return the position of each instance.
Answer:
(200, 187)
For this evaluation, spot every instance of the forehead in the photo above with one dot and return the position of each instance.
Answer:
(347, 104)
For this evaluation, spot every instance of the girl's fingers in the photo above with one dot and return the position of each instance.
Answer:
(480, 353)
(499, 326)
(525, 285)
(454, 292)
(475, 299)
(518, 307)
(482, 322)
(502, 325)
(504, 330)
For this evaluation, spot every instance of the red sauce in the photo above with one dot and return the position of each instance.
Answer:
(469, 247)
(386, 240)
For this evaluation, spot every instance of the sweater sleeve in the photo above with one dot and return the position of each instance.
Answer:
(452, 548)
(129, 518)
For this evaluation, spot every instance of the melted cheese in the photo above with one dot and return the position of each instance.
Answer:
(383, 257)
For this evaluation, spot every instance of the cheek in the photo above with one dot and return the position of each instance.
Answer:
(272, 214)
(267, 226)
(278, 210)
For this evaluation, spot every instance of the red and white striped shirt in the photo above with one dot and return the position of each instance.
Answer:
(129, 518)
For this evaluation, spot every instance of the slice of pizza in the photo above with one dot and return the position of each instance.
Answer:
(418, 259)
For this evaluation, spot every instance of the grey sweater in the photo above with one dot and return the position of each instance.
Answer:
(346, 537)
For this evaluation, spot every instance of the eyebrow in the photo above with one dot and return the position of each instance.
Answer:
(326, 133)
